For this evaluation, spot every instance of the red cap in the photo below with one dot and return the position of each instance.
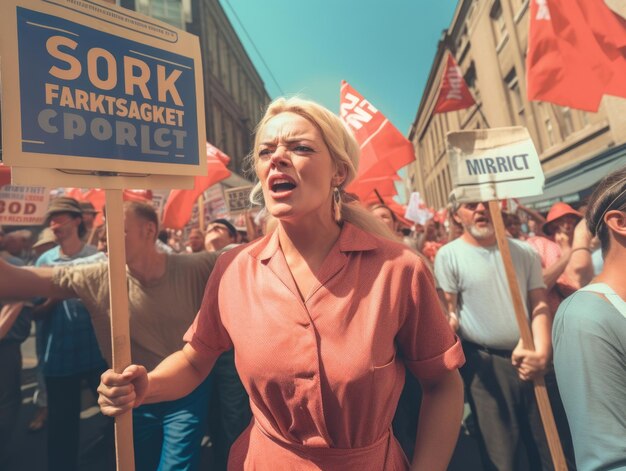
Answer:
(558, 210)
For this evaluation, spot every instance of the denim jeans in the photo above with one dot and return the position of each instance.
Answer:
(167, 435)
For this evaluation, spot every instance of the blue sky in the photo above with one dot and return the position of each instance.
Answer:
(383, 48)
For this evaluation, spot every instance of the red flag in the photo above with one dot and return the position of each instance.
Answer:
(384, 150)
(575, 53)
(179, 206)
(454, 94)
(366, 188)
(5, 175)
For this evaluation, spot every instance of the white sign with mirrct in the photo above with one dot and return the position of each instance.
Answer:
(497, 163)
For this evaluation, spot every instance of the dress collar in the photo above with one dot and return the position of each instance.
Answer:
(351, 239)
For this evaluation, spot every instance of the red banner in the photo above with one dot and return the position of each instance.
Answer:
(180, 203)
(384, 150)
(454, 94)
(575, 53)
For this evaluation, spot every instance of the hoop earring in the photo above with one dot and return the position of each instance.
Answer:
(337, 204)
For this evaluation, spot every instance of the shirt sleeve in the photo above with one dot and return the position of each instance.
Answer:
(82, 281)
(446, 277)
(535, 277)
(207, 334)
(428, 345)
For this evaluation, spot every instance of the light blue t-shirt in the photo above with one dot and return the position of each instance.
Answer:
(477, 276)
(589, 337)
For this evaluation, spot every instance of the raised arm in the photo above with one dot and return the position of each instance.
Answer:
(24, 283)
(580, 267)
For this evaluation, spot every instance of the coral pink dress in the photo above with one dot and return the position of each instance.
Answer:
(324, 375)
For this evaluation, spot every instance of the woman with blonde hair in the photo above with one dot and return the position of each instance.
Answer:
(322, 313)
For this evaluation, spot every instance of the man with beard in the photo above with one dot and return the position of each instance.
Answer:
(498, 372)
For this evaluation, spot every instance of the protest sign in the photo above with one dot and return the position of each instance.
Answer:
(23, 205)
(101, 97)
(238, 199)
(98, 90)
(497, 163)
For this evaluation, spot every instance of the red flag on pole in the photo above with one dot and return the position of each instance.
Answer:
(179, 206)
(454, 94)
(575, 53)
(384, 150)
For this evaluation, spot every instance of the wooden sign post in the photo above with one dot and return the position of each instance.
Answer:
(101, 97)
(120, 328)
(494, 164)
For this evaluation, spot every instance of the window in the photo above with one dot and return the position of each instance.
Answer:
(515, 98)
(169, 11)
(567, 123)
(225, 64)
(217, 126)
(498, 24)
(470, 80)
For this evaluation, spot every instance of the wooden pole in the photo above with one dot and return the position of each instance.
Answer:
(120, 331)
(541, 393)
(201, 211)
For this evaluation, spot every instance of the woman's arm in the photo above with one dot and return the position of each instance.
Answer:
(439, 421)
(175, 377)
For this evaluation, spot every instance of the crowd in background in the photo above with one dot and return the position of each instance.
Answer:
(557, 252)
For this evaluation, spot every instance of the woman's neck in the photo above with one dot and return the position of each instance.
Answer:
(310, 239)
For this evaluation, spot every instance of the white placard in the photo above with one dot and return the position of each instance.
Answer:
(491, 164)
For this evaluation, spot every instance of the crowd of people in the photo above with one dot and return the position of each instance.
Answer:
(340, 337)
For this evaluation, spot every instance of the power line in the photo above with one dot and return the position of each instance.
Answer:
(255, 48)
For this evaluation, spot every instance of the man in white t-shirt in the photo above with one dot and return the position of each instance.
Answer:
(498, 373)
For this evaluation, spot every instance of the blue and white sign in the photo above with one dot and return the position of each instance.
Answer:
(97, 89)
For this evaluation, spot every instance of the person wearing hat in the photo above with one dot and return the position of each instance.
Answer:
(560, 261)
(66, 343)
(220, 233)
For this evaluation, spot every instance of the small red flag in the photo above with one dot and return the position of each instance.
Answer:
(5, 175)
(454, 94)
(177, 210)
(384, 150)
(575, 53)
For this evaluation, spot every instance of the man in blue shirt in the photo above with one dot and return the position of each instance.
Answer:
(66, 341)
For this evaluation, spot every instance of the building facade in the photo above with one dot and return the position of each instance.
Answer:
(234, 94)
(489, 39)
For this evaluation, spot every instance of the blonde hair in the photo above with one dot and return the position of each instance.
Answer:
(343, 149)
